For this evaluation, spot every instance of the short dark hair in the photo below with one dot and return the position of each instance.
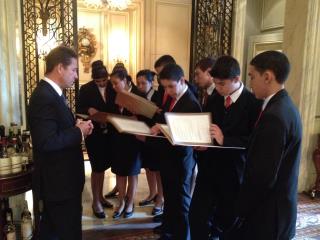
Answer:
(122, 75)
(275, 61)
(206, 63)
(60, 54)
(149, 75)
(98, 70)
(172, 72)
(226, 67)
(164, 60)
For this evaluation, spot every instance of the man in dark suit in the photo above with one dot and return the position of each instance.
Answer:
(58, 160)
(267, 204)
(177, 161)
(234, 111)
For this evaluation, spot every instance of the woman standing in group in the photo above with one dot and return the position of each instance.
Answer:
(144, 83)
(94, 97)
(126, 163)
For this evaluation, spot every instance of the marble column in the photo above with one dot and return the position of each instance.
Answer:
(302, 45)
(238, 33)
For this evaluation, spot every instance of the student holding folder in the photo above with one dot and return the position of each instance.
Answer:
(234, 111)
(177, 163)
(144, 83)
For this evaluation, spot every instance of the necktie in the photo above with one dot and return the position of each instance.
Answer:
(64, 100)
(228, 102)
(173, 101)
(205, 98)
(258, 118)
(164, 99)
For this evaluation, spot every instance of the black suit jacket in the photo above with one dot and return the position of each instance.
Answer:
(90, 97)
(58, 158)
(186, 104)
(236, 123)
(268, 198)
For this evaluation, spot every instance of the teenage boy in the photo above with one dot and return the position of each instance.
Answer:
(234, 111)
(178, 163)
(267, 204)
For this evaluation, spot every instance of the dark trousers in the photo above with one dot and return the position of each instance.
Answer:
(176, 175)
(61, 220)
(212, 205)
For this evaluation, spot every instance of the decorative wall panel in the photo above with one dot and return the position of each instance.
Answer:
(211, 29)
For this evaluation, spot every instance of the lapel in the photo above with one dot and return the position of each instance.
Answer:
(282, 93)
(179, 104)
(61, 104)
(98, 94)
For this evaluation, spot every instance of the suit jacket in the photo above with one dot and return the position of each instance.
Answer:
(58, 158)
(186, 104)
(90, 96)
(236, 123)
(268, 197)
(126, 147)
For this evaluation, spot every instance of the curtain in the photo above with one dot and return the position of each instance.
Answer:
(11, 66)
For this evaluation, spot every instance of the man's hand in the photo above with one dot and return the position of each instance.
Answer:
(92, 111)
(86, 127)
(155, 130)
(216, 134)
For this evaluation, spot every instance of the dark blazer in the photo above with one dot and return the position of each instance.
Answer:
(127, 148)
(90, 96)
(237, 123)
(268, 197)
(58, 158)
(99, 143)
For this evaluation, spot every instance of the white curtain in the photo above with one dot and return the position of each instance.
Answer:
(11, 68)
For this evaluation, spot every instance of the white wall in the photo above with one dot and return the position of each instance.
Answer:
(168, 31)
(150, 28)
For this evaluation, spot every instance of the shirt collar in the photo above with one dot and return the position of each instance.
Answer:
(150, 94)
(236, 94)
(211, 88)
(181, 94)
(266, 101)
(54, 85)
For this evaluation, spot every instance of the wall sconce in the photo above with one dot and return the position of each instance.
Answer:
(87, 47)
(47, 25)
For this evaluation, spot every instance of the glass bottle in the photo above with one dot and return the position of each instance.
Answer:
(26, 223)
(9, 229)
(15, 156)
(5, 160)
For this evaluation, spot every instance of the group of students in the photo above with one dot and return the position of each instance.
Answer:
(246, 189)
(247, 193)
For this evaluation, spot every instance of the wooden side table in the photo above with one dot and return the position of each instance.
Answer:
(15, 184)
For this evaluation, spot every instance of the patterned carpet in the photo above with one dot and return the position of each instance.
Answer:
(308, 220)
(308, 225)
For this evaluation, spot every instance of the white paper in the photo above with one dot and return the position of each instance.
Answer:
(193, 128)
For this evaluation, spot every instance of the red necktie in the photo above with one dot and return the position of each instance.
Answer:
(164, 99)
(228, 102)
(258, 118)
(173, 101)
(205, 98)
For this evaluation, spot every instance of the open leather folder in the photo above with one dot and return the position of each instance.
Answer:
(136, 104)
(189, 129)
(183, 129)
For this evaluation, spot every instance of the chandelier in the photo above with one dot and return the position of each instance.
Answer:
(111, 4)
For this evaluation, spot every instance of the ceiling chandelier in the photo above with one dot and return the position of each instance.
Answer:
(111, 4)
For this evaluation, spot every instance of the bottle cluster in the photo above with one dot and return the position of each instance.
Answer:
(15, 150)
